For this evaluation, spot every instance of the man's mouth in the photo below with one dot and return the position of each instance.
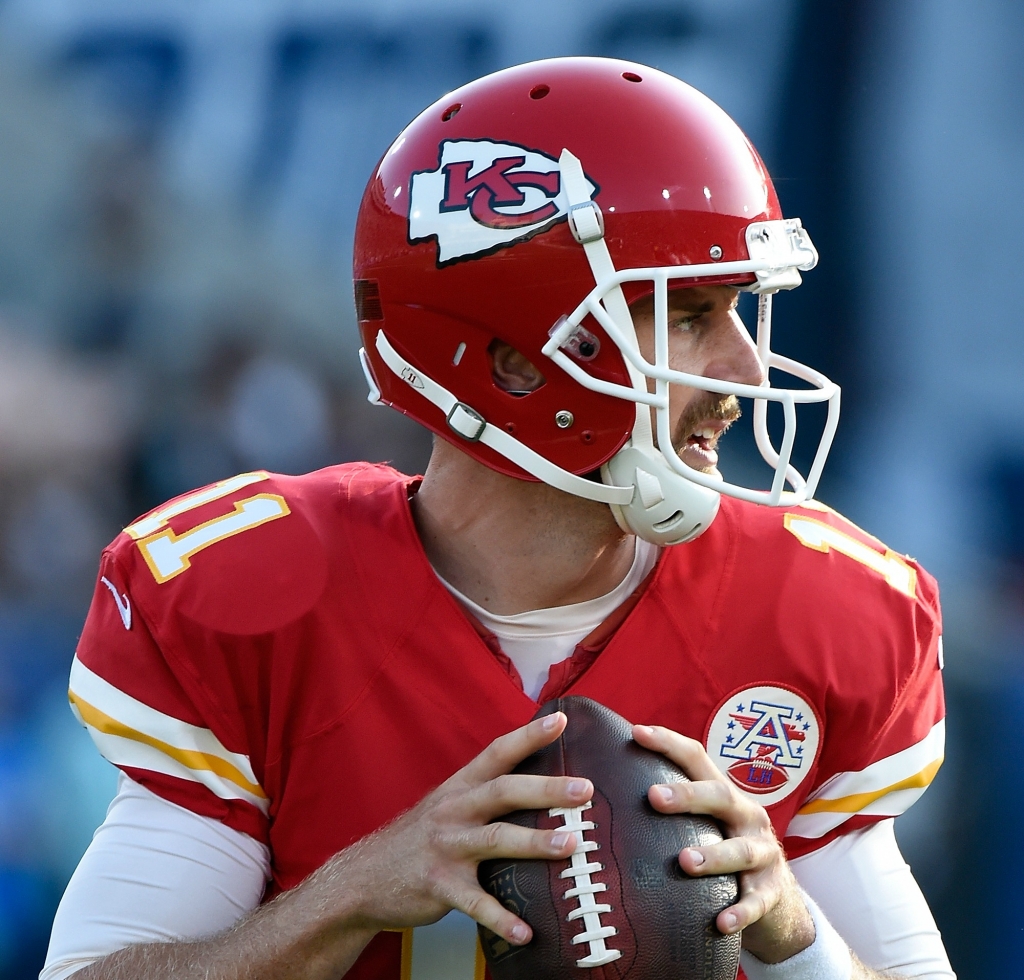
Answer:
(701, 428)
(700, 449)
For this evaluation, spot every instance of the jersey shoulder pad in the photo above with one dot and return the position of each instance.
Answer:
(858, 564)
(820, 528)
(246, 555)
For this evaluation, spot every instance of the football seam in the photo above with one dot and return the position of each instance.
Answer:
(580, 869)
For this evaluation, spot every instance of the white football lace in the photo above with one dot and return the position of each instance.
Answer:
(590, 911)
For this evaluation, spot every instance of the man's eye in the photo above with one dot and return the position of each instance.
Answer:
(683, 323)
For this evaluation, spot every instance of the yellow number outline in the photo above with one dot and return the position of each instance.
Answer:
(819, 536)
(168, 554)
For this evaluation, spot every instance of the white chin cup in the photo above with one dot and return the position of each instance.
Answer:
(666, 508)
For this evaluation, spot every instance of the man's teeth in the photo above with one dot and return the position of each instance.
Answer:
(705, 433)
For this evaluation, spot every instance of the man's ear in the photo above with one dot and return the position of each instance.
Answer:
(512, 371)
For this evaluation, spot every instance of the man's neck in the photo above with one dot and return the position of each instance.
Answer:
(513, 545)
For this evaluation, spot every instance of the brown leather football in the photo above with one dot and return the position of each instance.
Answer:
(621, 908)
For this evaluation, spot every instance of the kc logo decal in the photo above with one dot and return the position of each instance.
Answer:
(484, 196)
(765, 739)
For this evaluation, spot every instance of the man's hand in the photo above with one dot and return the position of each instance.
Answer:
(407, 874)
(425, 862)
(770, 910)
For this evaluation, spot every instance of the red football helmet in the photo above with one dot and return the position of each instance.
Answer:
(532, 206)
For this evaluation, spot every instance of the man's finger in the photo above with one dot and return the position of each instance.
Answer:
(728, 857)
(507, 840)
(710, 797)
(518, 791)
(489, 912)
(507, 751)
(745, 912)
(687, 753)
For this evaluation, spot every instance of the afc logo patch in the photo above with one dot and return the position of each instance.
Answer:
(765, 739)
(485, 196)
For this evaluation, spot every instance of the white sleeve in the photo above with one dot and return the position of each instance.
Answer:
(868, 892)
(154, 872)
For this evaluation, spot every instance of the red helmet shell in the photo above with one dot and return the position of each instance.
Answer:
(674, 176)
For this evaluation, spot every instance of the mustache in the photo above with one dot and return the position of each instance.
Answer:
(709, 406)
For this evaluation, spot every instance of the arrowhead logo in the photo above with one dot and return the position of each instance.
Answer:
(485, 196)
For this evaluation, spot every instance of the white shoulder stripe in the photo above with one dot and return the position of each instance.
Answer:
(140, 755)
(885, 788)
(130, 733)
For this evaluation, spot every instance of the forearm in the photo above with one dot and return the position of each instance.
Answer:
(879, 910)
(305, 934)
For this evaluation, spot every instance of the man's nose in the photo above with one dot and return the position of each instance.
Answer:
(734, 356)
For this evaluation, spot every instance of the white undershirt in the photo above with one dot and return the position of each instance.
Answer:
(156, 872)
(537, 640)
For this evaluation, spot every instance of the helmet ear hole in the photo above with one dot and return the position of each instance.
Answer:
(512, 371)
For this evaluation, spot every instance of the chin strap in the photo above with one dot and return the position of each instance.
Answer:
(473, 427)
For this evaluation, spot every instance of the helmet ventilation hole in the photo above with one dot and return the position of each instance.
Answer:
(459, 351)
(452, 110)
(587, 435)
(539, 91)
(631, 76)
(510, 428)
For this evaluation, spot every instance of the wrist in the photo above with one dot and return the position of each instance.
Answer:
(826, 958)
(786, 930)
(325, 910)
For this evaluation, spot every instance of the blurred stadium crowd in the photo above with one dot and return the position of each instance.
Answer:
(178, 188)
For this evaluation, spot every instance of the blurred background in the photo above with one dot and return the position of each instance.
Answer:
(178, 188)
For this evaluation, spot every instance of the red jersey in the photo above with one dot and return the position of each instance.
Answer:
(276, 652)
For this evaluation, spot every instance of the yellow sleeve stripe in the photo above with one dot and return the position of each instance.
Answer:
(885, 788)
(856, 802)
(902, 769)
(189, 758)
(128, 732)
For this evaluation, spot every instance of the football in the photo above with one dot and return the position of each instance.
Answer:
(621, 908)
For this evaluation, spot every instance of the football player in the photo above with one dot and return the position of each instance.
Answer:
(315, 687)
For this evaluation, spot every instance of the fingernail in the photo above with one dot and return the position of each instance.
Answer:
(730, 921)
(664, 793)
(646, 729)
(696, 858)
(519, 933)
(558, 841)
(550, 721)
(577, 787)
